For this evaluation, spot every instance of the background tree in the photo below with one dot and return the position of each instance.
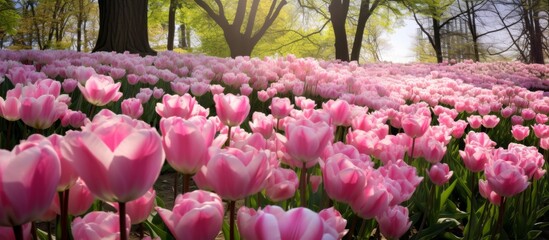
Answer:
(123, 27)
(10, 19)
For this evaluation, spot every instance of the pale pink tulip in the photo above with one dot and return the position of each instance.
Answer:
(490, 121)
(41, 112)
(475, 157)
(100, 90)
(343, 181)
(432, 150)
(281, 185)
(334, 219)
(175, 105)
(98, 225)
(232, 110)
(475, 121)
(234, 174)
(520, 132)
(305, 141)
(505, 178)
(394, 222)
(541, 130)
(281, 107)
(415, 125)
(139, 209)
(486, 191)
(118, 158)
(132, 107)
(29, 176)
(541, 118)
(262, 124)
(339, 110)
(195, 215)
(440, 174)
(10, 108)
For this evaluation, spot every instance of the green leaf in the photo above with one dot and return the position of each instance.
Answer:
(447, 193)
(226, 230)
(434, 230)
(159, 231)
(534, 234)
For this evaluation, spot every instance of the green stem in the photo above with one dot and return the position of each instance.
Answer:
(501, 212)
(231, 219)
(472, 221)
(413, 146)
(429, 203)
(18, 232)
(228, 142)
(122, 220)
(303, 184)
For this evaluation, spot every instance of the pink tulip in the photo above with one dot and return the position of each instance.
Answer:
(315, 182)
(281, 185)
(195, 215)
(29, 175)
(373, 198)
(98, 225)
(158, 93)
(132, 107)
(486, 191)
(364, 142)
(404, 175)
(459, 128)
(440, 174)
(10, 108)
(6, 233)
(479, 139)
(305, 141)
(394, 222)
(272, 222)
(475, 157)
(339, 110)
(432, 150)
(281, 107)
(139, 209)
(234, 174)
(541, 130)
(520, 132)
(216, 89)
(69, 85)
(82, 74)
(75, 119)
(246, 90)
(41, 112)
(507, 112)
(528, 114)
(334, 219)
(505, 178)
(174, 105)
(262, 124)
(343, 181)
(118, 158)
(541, 118)
(490, 121)
(232, 110)
(475, 121)
(516, 120)
(80, 198)
(415, 125)
(263, 96)
(186, 142)
(100, 90)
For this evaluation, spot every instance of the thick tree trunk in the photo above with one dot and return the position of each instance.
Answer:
(338, 13)
(235, 41)
(183, 43)
(437, 40)
(123, 27)
(536, 48)
(171, 24)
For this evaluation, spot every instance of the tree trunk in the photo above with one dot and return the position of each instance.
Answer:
(79, 22)
(183, 43)
(235, 40)
(123, 27)
(536, 48)
(363, 16)
(437, 40)
(338, 13)
(171, 23)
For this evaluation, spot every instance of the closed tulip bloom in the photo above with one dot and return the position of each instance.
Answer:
(69, 85)
(339, 110)
(100, 90)
(118, 158)
(262, 124)
(186, 142)
(479, 139)
(29, 176)
(520, 132)
(175, 105)
(232, 110)
(272, 222)
(475, 157)
(305, 141)
(334, 219)
(490, 121)
(505, 178)
(98, 225)
(10, 108)
(541, 130)
(432, 150)
(132, 107)
(440, 174)
(41, 112)
(80, 198)
(281, 107)
(415, 125)
(394, 222)
(343, 181)
(373, 199)
(139, 209)
(234, 174)
(195, 215)
(281, 185)
(75, 119)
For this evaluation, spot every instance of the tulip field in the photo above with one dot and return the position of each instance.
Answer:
(275, 148)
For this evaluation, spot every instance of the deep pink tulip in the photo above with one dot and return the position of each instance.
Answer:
(517, 120)
(486, 191)
(98, 225)
(528, 114)
(6, 233)
(158, 92)
(75, 119)
(281, 185)
(195, 215)
(415, 125)
(119, 158)
(520, 132)
(490, 121)
(139, 209)
(343, 181)
(234, 174)
(334, 219)
(373, 198)
(505, 178)
(132, 107)
(404, 175)
(281, 107)
(186, 142)
(100, 90)
(339, 110)
(175, 105)
(69, 85)
(394, 222)
(232, 110)
(440, 174)
(272, 222)
(305, 141)
(29, 176)
(541, 118)
(41, 112)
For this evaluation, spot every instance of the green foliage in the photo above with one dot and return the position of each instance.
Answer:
(10, 17)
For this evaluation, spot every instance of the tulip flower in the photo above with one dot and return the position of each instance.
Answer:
(232, 110)
(505, 179)
(394, 222)
(139, 209)
(174, 105)
(343, 181)
(281, 107)
(98, 225)
(520, 132)
(440, 173)
(41, 112)
(100, 90)
(281, 185)
(132, 107)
